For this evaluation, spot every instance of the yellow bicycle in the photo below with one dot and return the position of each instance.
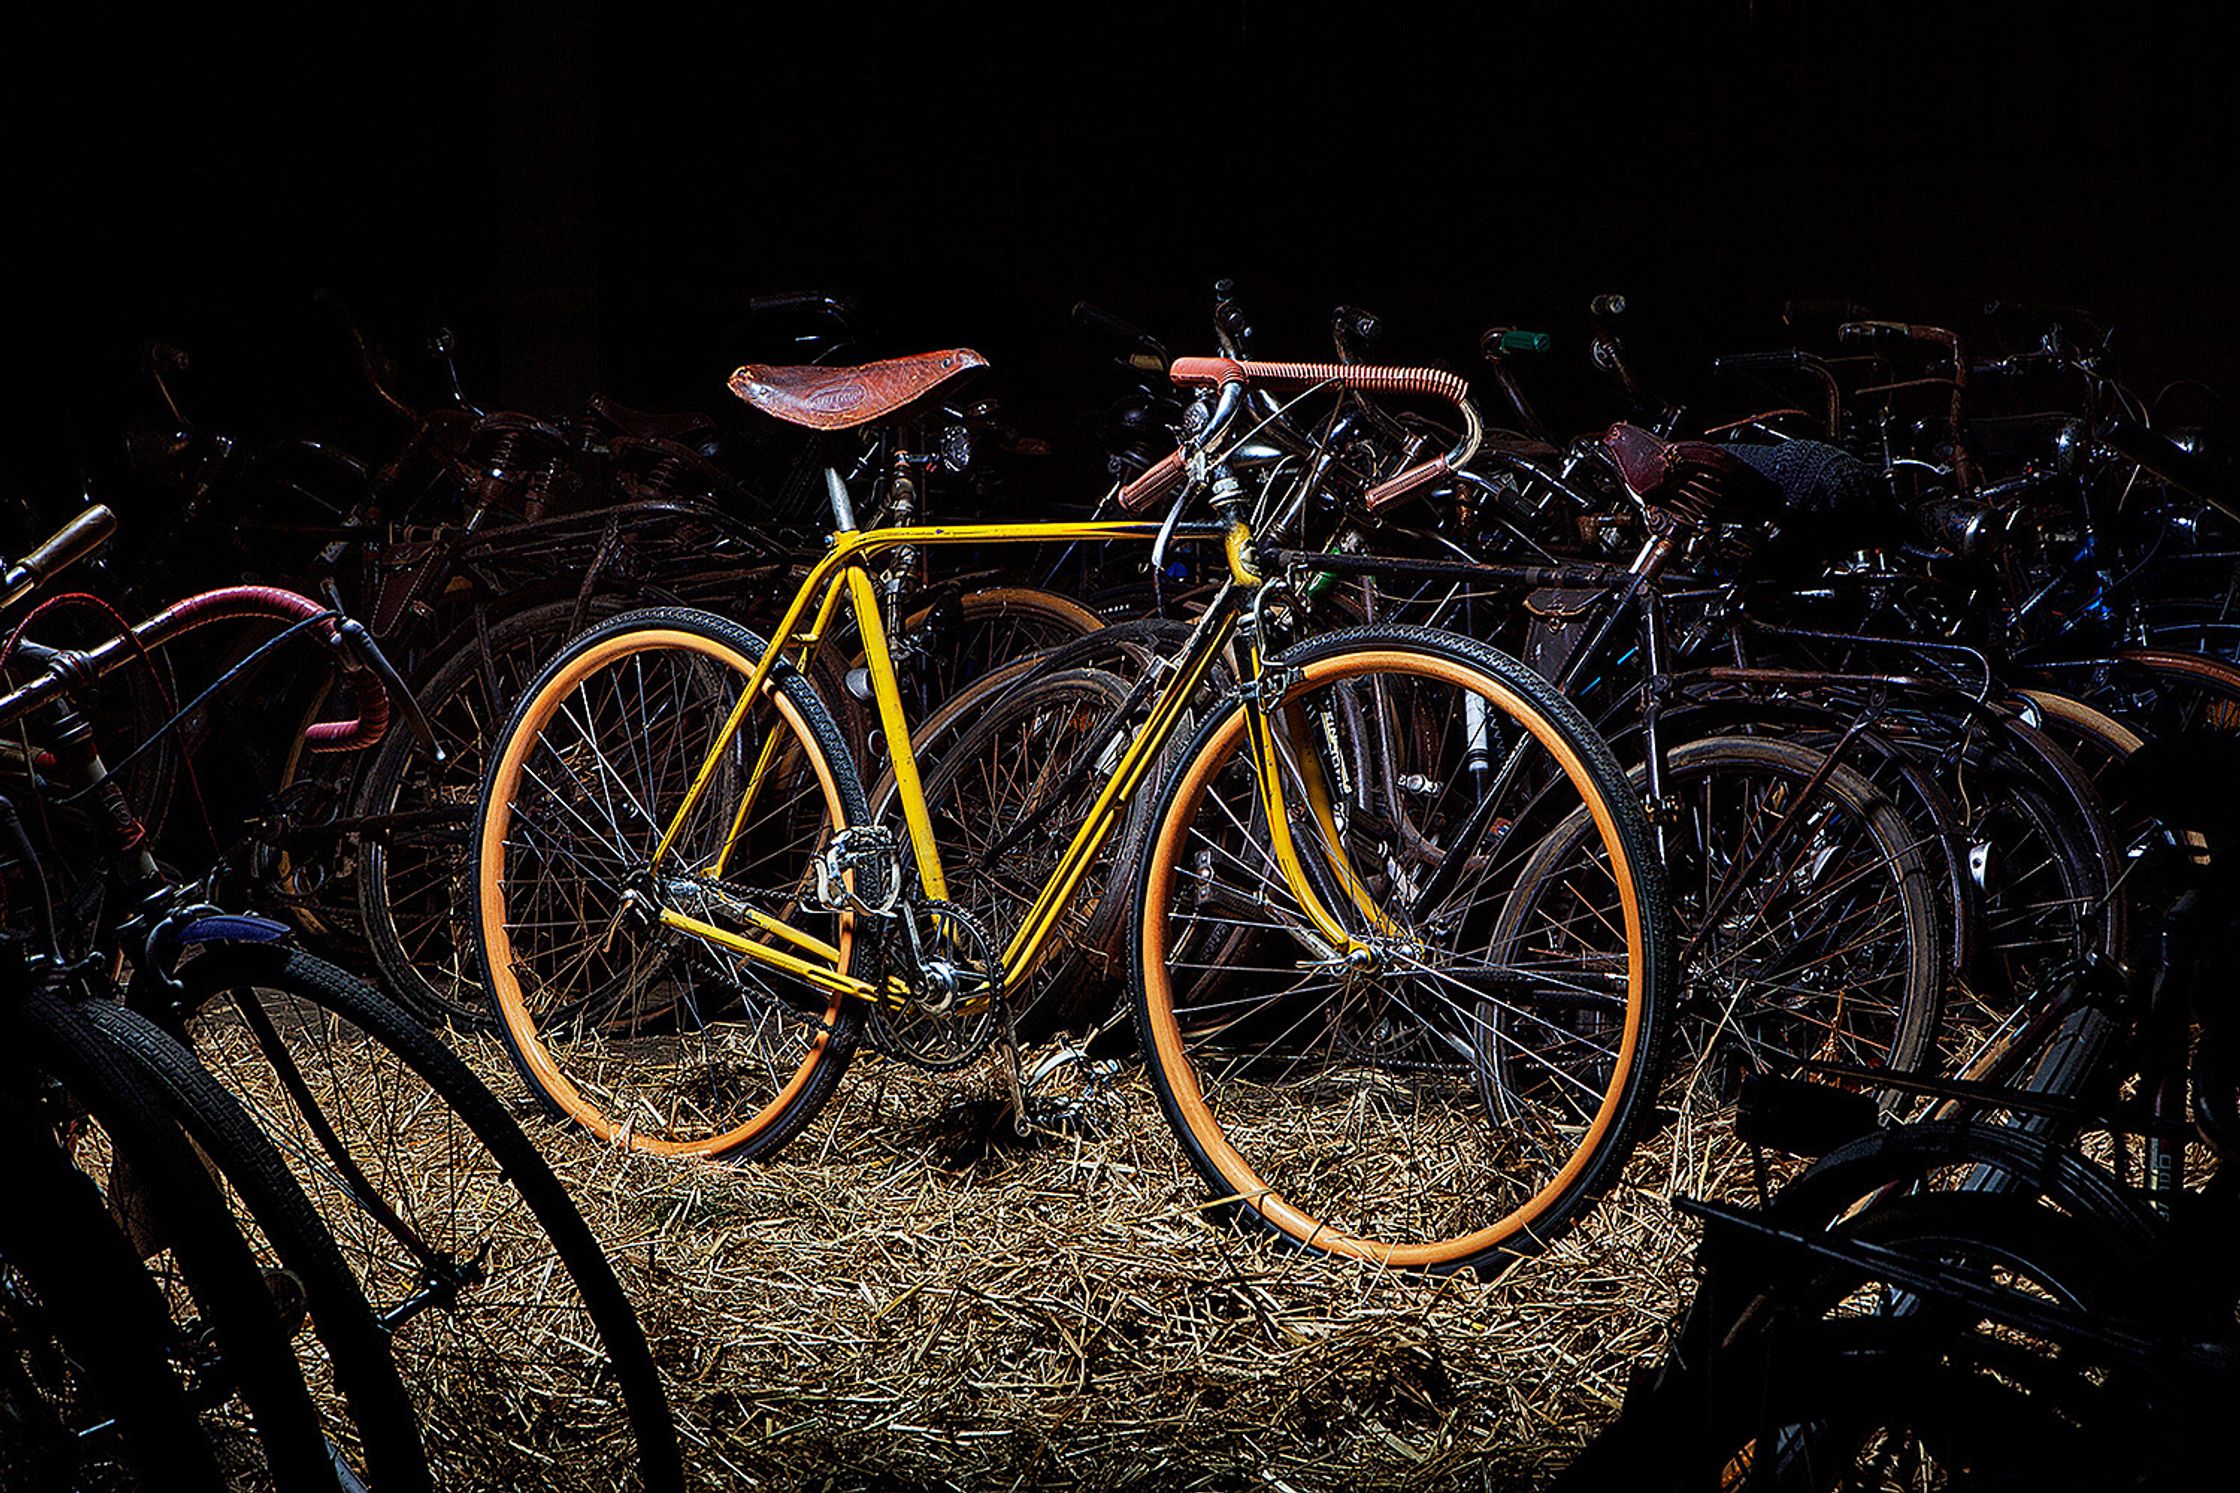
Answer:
(1376, 1021)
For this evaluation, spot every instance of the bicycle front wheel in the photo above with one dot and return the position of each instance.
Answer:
(645, 1032)
(1437, 1094)
(500, 1307)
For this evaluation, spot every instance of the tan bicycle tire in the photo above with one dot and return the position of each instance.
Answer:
(730, 647)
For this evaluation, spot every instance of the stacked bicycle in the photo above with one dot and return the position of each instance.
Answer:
(2030, 1279)
(265, 1229)
(1439, 813)
(472, 548)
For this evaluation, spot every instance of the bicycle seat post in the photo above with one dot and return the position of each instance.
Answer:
(843, 510)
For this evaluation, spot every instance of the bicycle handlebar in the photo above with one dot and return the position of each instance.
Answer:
(1782, 361)
(360, 656)
(1165, 475)
(1896, 331)
(1361, 378)
(1367, 378)
(60, 550)
(1156, 481)
(1500, 342)
(1234, 375)
(243, 603)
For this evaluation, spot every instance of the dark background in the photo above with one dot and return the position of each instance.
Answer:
(590, 193)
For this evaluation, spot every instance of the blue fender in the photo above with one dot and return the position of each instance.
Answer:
(226, 927)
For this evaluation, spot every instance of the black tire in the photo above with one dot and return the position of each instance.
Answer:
(88, 1395)
(695, 1018)
(1127, 649)
(2167, 693)
(1949, 1155)
(1791, 1366)
(1005, 797)
(278, 1435)
(947, 643)
(992, 626)
(2048, 905)
(278, 1220)
(1233, 1055)
(1886, 762)
(1766, 990)
(437, 1149)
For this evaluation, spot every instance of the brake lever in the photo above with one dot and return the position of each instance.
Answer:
(361, 646)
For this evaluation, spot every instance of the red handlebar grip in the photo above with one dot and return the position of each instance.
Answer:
(1437, 383)
(236, 603)
(228, 604)
(1206, 370)
(1393, 489)
(1157, 481)
(355, 735)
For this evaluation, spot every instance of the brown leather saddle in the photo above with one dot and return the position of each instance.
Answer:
(838, 398)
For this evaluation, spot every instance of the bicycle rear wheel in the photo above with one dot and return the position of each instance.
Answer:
(646, 1034)
(1456, 1097)
(1807, 921)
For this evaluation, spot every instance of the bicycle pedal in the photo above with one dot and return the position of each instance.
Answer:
(1071, 1118)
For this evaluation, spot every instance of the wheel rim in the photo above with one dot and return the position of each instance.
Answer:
(502, 1335)
(422, 874)
(1302, 1050)
(650, 1037)
(1812, 959)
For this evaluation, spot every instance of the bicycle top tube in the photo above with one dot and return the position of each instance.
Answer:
(861, 543)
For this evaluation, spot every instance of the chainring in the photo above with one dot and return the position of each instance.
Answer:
(951, 1008)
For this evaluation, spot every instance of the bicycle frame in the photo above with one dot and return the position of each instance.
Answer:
(843, 577)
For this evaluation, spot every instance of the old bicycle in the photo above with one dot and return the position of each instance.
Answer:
(689, 919)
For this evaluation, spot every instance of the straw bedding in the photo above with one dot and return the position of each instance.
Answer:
(913, 1297)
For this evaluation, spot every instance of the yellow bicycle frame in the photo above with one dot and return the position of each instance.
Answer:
(843, 574)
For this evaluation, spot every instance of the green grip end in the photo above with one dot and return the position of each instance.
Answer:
(1520, 341)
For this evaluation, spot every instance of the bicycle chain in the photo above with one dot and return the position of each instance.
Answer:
(893, 1029)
